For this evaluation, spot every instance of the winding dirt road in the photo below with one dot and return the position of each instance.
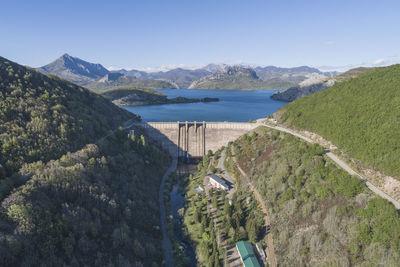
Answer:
(340, 163)
(270, 251)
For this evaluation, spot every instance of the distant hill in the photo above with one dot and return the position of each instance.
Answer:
(75, 69)
(352, 73)
(237, 77)
(182, 77)
(137, 96)
(96, 77)
(315, 84)
(360, 115)
(126, 80)
(271, 72)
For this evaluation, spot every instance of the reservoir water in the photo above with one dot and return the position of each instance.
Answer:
(234, 105)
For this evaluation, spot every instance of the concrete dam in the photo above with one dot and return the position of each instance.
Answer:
(194, 139)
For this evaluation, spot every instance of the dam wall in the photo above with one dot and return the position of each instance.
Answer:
(194, 139)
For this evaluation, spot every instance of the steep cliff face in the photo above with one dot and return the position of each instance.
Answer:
(312, 85)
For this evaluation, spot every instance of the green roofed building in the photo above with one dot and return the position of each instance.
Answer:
(247, 255)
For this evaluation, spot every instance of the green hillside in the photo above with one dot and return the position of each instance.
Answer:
(66, 201)
(88, 208)
(360, 115)
(43, 117)
(320, 215)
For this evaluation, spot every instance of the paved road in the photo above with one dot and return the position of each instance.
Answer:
(341, 164)
(166, 242)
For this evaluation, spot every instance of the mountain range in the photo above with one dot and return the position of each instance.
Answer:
(220, 76)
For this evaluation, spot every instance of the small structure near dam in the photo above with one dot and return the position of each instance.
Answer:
(194, 139)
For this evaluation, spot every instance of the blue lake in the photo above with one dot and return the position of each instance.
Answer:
(234, 105)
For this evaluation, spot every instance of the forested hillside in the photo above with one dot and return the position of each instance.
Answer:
(94, 207)
(43, 117)
(360, 115)
(320, 215)
(64, 200)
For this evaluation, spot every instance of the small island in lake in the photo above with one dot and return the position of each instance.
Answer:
(137, 96)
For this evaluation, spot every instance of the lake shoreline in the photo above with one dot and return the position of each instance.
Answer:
(175, 100)
(233, 106)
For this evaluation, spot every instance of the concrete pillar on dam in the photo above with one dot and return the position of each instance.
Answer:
(194, 138)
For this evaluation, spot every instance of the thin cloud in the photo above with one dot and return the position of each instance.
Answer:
(376, 63)
(171, 67)
(328, 42)
(380, 61)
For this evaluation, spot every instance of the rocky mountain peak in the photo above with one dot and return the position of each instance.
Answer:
(75, 69)
(238, 70)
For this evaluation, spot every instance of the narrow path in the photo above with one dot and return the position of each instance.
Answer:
(341, 164)
(270, 251)
(166, 242)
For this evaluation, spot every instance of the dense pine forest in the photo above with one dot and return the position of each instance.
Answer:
(66, 201)
(360, 115)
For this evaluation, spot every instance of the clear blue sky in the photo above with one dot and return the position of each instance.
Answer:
(149, 33)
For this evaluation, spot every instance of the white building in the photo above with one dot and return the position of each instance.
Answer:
(217, 182)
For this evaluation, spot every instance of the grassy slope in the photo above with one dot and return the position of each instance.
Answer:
(320, 215)
(360, 115)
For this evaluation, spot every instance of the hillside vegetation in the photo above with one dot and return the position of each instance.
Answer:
(360, 115)
(320, 215)
(214, 222)
(42, 117)
(64, 200)
(88, 208)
